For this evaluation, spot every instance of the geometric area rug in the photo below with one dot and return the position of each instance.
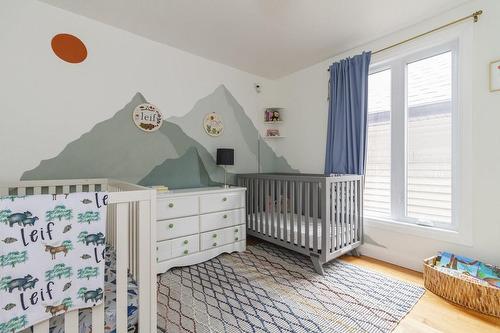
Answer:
(271, 289)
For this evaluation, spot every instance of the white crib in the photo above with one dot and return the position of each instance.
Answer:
(130, 230)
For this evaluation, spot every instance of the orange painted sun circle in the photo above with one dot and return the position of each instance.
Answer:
(69, 48)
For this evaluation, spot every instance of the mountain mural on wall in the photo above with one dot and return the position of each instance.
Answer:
(178, 155)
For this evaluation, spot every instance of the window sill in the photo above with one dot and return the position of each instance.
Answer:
(452, 236)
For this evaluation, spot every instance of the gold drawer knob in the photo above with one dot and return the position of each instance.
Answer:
(171, 225)
(224, 199)
(236, 238)
(171, 205)
(186, 251)
(214, 244)
(186, 241)
(214, 236)
(225, 216)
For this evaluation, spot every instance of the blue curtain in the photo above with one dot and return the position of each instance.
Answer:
(347, 116)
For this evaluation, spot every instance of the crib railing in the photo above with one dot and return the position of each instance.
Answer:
(310, 214)
(130, 230)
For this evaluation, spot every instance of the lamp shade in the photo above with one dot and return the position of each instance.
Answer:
(225, 156)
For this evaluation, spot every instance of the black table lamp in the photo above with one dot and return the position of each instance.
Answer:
(225, 156)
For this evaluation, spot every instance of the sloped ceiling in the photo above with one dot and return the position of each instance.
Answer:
(270, 38)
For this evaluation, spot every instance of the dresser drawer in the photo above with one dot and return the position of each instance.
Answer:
(178, 247)
(221, 237)
(221, 201)
(185, 245)
(221, 219)
(168, 229)
(177, 207)
(164, 250)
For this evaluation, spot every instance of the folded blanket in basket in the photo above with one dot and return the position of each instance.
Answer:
(51, 255)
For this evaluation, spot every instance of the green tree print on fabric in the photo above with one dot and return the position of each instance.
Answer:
(68, 302)
(81, 236)
(12, 197)
(4, 283)
(88, 272)
(88, 217)
(81, 292)
(58, 271)
(59, 212)
(68, 245)
(4, 214)
(13, 325)
(13, 258)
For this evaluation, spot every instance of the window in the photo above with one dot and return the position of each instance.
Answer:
(410, 152)
(377, 198)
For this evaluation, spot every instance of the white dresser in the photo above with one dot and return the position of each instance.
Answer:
(195, 225)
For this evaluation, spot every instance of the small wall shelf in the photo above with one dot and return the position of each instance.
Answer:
(273, 117)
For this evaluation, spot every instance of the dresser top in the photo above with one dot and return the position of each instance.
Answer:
(198, 191)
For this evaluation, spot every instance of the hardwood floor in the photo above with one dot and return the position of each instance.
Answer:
(431, 314)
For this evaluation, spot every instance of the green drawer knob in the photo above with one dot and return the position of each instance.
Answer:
(224, 199)
(171, 225)
(225, 216)
(214, 236)
(214, 244)
(186, 241)
(170, 205)
(186, 251)
(236, 238)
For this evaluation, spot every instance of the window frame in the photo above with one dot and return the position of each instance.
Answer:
(399, 136)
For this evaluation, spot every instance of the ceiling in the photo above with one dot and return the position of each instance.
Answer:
(270, 38)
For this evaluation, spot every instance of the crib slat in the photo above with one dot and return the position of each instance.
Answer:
(293, 213)
(351, 217)
(348, 213)
(121, 267)
(315, 217)
(42, 327)
(329, 199)
(255, 204)
(279, 197)
(273, 206)
(98, 319)
(37, 190)
(299, 213)
(146, 275)
(266, 207)
(261, 207)
(71, 322)
(285, 213)
(307, 212)
(337, 219)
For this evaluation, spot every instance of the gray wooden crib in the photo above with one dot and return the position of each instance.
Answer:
(316, 215)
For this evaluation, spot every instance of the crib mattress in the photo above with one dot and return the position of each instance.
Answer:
(56, 324)
(294, 237)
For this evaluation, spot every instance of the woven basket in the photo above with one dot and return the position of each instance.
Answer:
(485, 299)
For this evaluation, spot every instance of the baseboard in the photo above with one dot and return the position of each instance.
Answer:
(376, 252)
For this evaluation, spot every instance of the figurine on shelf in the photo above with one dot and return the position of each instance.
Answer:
(275, 116)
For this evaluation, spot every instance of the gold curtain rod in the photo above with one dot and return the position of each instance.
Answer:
(474, 15)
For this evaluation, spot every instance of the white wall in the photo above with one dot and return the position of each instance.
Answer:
(304, 94)
(46, 103)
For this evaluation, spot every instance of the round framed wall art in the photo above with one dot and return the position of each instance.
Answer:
(213, 124)
(147, 117)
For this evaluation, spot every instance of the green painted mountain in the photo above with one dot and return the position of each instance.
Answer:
(178, 155)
